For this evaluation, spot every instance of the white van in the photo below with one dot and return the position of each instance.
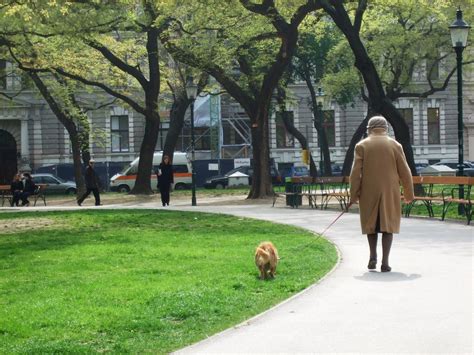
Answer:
(125, 180)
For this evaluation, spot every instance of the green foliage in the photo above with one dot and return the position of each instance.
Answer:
(403, 38)
(141, 281)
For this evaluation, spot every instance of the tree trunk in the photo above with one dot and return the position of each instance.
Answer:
(68, 123)
(76, 158)
(290, 127)
(358, 134)
(378, 101)
(322, 137)
(177, 114)
(261, 180)
(402, 132)
(147, 150)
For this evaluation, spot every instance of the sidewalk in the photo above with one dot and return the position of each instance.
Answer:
(423, 306)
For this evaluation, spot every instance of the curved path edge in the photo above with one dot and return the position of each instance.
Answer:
(423, 306)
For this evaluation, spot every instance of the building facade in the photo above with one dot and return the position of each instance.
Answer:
(31, 136)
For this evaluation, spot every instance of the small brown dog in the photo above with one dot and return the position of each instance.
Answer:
(266, 259)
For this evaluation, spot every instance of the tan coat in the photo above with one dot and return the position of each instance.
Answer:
(379, 167)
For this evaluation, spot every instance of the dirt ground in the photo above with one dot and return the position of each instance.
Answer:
(8, 226)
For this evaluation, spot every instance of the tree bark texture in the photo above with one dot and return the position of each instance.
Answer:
(177, 115)
(261, 180)
(322, 136)
(147, 150)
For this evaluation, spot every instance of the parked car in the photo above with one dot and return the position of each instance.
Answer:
(420, 166)
(221, 181)
(294, 171)
(468, 168)
(336, 170)
(55, 184)
(65, 171)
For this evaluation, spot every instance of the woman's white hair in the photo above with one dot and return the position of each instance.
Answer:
(377, 122)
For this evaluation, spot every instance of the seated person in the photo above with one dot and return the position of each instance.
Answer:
(16, 189)
(28, 189)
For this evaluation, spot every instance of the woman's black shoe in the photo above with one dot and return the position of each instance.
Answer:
(385, 268)
(372, 264)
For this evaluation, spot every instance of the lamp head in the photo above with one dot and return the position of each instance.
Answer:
(191, 88)
(459, 31)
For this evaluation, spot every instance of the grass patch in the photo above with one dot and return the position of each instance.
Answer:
(141, 281)
(420, 210)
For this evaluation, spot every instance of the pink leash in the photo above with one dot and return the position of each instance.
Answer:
(340, 215)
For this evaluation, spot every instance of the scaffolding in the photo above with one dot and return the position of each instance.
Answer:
(235, 123)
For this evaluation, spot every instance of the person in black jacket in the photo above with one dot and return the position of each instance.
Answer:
(17, 189)
(92, 184)
(28, 189)
(165, 179)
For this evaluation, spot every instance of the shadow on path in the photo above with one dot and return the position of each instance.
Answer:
(387, 276)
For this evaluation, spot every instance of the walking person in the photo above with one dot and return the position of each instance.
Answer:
(379, 167)
(92, 184)
(16, 188)
(165, 179)
(28, 189)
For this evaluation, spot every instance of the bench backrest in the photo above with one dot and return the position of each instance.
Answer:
(332, 180)
(443, 180)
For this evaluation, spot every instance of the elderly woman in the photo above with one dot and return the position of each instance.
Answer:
(379, 167)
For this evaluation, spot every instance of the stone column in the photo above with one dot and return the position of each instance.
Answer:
(24, 164)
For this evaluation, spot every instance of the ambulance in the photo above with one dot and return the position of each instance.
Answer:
(182, 173)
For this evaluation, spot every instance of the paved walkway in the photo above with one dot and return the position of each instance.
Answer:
(423, 306)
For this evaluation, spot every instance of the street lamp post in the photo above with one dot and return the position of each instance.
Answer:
(459, 31)
(319, 116)
(191, 91)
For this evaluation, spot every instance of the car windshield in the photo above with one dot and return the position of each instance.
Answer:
(61, 180)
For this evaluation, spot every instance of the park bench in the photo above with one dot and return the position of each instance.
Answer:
(6, 194)
(39, 194)
(318, 191)
(334, 187)
(431, 190)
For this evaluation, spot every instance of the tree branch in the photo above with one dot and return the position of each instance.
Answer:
(104, 87)
(119, 63)
(359, 15)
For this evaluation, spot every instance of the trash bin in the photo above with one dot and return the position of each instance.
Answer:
(293, 200)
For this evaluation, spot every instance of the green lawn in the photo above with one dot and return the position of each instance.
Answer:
(140, 281)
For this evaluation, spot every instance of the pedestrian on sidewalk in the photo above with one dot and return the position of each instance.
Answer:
(92, 184)
(165, 179)
(379, 167)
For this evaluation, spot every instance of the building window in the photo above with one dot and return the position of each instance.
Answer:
(119, 133)
(160, 144)
(433, 126)
(283, 138)
(3, 74)
(432, 69)
(329, 127)
(407, 114)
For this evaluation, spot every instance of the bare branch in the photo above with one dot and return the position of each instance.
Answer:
(119, 63)
(104, 87)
